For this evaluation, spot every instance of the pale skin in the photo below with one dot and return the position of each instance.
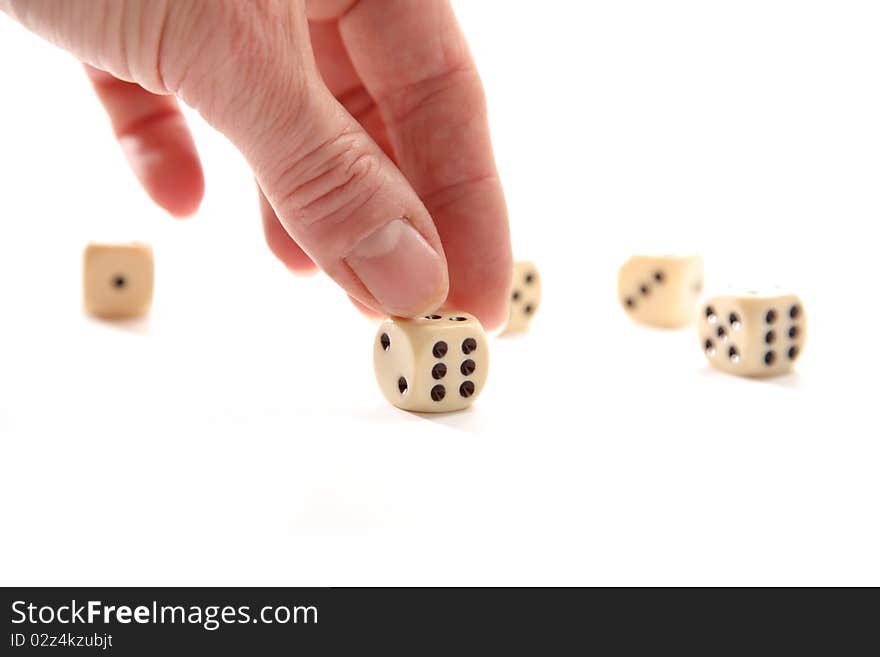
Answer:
(364, 122)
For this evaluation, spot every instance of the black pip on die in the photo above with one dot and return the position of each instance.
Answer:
(118, 280)
(431, 364)
(753, 333)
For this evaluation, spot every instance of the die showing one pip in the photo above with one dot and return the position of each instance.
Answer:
(524, 297)
(753, 333)
(118, 280)
(431, 364)
(661, 290)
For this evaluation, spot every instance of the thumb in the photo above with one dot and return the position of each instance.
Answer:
(249, 70)
(331, 186)
(348, 206)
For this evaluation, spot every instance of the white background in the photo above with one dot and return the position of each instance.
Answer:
(238, 436)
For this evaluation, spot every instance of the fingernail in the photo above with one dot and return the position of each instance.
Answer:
(400, 269)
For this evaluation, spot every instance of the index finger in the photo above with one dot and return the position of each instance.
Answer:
(413, 59)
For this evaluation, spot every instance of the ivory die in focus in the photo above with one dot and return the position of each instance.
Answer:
(661, 290)
(431, 364)
(525, 297)
(118, 280)
(754, 333)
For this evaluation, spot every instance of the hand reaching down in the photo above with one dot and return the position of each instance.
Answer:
(364, 122)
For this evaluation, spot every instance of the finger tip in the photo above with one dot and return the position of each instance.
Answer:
(431, 303)
(180, 207)
(367, 311)
(171, 176)
(289, 253)
(493, 315)
(486, 296)
(179, 185)
(405, 274)
(186, 205)
(493, 318)
(302, 269)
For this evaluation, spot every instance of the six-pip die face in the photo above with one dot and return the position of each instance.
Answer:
(755, 333)
(431, 364)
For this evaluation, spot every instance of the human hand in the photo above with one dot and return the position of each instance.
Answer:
(364, 122)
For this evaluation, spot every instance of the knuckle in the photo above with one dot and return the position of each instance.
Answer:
(460, 191)
(330, 183)
(433, 94)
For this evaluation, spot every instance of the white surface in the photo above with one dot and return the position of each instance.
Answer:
(238, 437)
